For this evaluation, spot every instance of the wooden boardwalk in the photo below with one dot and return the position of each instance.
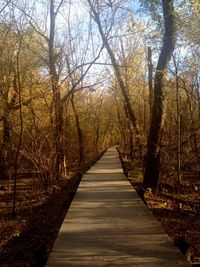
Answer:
(108, 225)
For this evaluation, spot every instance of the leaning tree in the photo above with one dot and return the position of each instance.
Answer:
(152, 160)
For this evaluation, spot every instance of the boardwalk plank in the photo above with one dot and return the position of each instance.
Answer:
(108, 225)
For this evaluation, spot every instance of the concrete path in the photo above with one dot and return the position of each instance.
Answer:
(108, 225)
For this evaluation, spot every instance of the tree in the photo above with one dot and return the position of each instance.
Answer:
(150, 78)
(130, 111)
(152, 161)
(58, 108)
(9, 89)
(80, 134)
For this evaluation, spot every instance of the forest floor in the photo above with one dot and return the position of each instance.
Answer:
(179, 213)
(27, 238)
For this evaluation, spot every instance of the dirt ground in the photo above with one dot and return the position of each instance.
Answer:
(179, 213)
(27, 239)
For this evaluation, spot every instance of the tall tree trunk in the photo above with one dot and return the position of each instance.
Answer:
(80, 134)
(178, 118)
(152, 164)
(120, 123)
(58, 109)
(96, 141)
(4, 145)
(19, 88)
(150, 80)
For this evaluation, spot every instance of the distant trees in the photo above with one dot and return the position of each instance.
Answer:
(110, 10)
(13, 80)
(89, 81)
(8, 86)
(49, 142)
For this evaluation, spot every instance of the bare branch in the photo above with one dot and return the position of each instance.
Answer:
(5, 6)
(32, 21)
(58, 8)
(81, 78)
(38, 55)
(184, 85)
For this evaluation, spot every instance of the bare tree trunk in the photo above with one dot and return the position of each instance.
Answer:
(9, 106)
(120, 122)
(178, 126)
(152, 164)
(97, 127)
(80, 134)
(4, 146)
(197, 89)
(20, 134)
(150, 80)
(58, 108)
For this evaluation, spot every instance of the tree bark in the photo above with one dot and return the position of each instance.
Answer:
(80, 134)
(150, 80)
(4, 145)
(178, 118)
(152, 162)
(19, 88)
(8, 108)
(58, 109)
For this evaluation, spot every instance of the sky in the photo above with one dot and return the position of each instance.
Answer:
(79, 13)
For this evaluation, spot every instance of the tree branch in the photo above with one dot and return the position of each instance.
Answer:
(81, 78)
(58, 8)
(5, 6)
